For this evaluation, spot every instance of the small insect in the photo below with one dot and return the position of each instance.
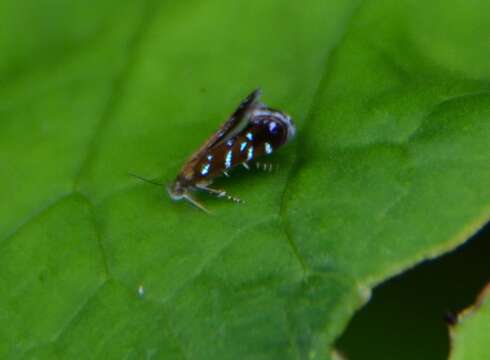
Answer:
(251, 131)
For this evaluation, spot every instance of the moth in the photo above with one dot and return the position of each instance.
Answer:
(251, 131)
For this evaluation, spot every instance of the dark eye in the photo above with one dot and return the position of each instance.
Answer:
(273, 128)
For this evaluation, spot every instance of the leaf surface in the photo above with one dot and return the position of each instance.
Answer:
(470, 335)
(390, 166)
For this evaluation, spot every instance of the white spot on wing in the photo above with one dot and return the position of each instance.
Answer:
(205, 169)
(229, 157)
(272, 127)
(250, 153)
(268, 148)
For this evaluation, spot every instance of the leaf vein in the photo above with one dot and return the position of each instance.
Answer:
(297, 162)
(120, 84)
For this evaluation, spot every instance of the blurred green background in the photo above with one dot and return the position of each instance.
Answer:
(389, 168)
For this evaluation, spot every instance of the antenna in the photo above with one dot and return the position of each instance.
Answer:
(145, 180)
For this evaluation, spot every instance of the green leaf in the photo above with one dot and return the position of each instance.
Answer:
(470, 334)
(390, 166)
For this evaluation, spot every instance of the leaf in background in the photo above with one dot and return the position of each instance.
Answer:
(470, 335)
(416, 306)
(390, 166)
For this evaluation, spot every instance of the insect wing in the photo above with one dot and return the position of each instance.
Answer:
(239, 119)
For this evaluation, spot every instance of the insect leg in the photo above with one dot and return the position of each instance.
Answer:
(264, 166)
(196, 203)
(220, 193)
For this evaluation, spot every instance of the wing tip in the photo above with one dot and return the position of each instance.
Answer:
(256, 94)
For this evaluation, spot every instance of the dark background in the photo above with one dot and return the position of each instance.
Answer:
(407, 317)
